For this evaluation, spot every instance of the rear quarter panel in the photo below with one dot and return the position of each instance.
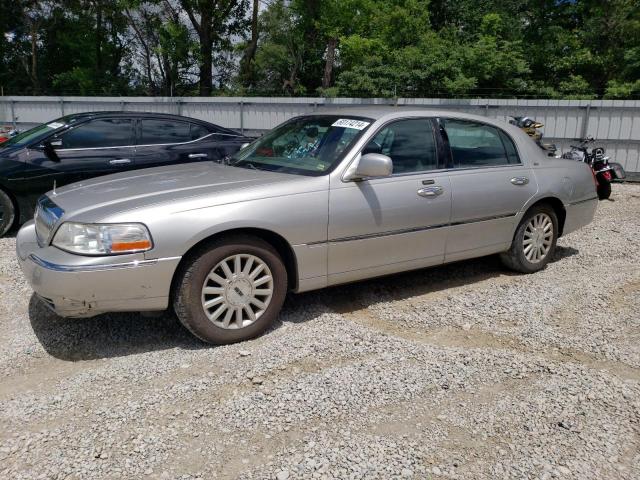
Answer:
(572, 182)
(569, 181)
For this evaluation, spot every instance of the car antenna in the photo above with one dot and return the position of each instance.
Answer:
(54, 188)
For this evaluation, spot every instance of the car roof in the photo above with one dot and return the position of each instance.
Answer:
(129, 114)
(377, 112)
(388, 112)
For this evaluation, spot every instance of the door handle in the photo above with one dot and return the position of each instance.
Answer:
(430, 192)
(120, 161)
(519, 180)
(198, 155)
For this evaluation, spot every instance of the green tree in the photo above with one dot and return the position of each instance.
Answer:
(215, 22)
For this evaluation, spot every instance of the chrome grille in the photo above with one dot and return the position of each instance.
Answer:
(46, 218)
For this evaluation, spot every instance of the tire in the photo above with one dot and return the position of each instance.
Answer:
(604, 188)
(207, 304)
(516, 258)
(7, 213)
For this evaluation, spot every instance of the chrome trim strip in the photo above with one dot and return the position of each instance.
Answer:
(385, 234)
(483, 219)
(411, 230)
(150, 144)
(582, 201)
(96, 268)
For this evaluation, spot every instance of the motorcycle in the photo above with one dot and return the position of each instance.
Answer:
(7, 134)
(604, 171)
(530, 127)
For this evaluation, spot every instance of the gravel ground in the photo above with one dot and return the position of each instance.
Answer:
(464, 371)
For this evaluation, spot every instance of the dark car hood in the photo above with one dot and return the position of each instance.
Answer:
(6, 150)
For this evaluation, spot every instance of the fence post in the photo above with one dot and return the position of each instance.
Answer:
(13, 114)
(585, 121)
(61, 107)
(242, 117)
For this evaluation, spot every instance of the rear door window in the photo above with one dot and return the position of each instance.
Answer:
(105, 132)
(198, 131)
(475, 144)
(159, 131)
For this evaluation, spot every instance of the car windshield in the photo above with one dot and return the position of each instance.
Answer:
(309, 145)
(37, 133)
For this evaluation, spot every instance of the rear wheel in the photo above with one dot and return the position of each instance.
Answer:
(231, 290)
(7, 213)
(534, 242)
(604, 188)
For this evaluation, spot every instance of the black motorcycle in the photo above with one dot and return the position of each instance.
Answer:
(604, 171)
(531, 127)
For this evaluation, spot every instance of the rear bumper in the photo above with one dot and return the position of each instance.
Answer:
(579, 214)
(76, 286)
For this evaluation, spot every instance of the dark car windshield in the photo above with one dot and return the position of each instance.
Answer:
(309, 145)
(39, 132)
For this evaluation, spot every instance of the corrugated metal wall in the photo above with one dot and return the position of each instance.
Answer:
(614, 123)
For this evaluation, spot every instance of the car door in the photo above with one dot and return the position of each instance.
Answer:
(167, 141)
(489, 184)
(385, 225)
(97, 147)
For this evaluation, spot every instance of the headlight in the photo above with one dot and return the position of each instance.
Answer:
(107, 239)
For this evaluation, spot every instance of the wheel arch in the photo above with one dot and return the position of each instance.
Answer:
(16, 205)
(558, 208)
(278, 242)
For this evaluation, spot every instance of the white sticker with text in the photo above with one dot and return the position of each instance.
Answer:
(350, 123)
(55, 125)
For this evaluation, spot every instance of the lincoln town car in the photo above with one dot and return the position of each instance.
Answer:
(323, 199)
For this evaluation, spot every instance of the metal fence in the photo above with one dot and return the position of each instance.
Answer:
(614, 123)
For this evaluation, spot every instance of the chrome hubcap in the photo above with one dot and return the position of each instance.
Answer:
(538, 237)
(237, 291)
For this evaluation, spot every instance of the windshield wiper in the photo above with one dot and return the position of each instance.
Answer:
(243, 163)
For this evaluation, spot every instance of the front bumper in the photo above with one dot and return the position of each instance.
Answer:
(77, 286)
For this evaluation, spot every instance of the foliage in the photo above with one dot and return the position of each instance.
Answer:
(380, 48)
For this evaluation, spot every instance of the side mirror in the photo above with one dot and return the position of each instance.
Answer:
(370, 165)
(49, 148)
(50, 144)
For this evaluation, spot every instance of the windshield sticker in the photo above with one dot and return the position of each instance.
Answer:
(55, 125)
(349, 123)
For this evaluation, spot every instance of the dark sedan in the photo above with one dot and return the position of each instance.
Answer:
(86, 145)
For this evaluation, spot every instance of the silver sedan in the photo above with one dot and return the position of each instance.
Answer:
(321, 200)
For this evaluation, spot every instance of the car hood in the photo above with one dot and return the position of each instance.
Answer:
(7, 150)
(170, 184)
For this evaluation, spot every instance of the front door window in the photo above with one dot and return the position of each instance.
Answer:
(100, 133)
(410, 144)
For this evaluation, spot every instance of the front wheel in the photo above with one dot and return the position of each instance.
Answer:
(232, 290)
(534, 242)
(7, 213)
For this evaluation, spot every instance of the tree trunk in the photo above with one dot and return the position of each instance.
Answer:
(332, 43)
(34, 59)
(206, 53)
(206, 66)
(250, 52)
(98, 45)
(147, 52)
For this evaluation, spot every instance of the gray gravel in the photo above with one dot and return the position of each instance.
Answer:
(464, 371)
